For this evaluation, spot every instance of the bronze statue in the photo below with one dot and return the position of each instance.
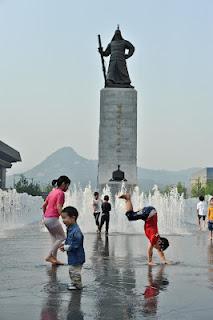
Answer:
(118, 175)
(117, 75)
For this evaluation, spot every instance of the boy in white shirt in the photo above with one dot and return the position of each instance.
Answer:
(201, 212)
(97, 202)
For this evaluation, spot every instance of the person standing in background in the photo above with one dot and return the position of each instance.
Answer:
(210, 219)
(201, 212)
(97, 202)
(106, 208)
(52, 209)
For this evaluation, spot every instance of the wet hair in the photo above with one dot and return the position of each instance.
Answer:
(106, 198)
(201, 198)
(60, 180)
(71, 212)
(96, 193)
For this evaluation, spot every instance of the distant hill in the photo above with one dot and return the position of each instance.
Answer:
(66, 161)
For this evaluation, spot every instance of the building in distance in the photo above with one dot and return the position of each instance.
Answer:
(203, 176)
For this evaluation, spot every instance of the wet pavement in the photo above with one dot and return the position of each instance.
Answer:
(118, 285)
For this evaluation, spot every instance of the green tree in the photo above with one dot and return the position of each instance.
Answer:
(209, 188)
(198, 189)
(181, 189)
(24, 186)
(167, 189)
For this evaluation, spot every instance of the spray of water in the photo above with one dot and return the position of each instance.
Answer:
(17, 209)
(170, 207)
(175, 214)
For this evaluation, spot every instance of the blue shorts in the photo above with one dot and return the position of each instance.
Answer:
(210, 226)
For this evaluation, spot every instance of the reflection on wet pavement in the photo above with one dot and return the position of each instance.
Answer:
(117, 282)
(156, 284)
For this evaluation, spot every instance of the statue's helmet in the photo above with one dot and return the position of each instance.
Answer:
(117, 35)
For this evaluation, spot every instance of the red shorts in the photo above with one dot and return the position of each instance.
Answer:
(151, 229)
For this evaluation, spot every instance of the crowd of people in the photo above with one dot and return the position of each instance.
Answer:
(73, 242)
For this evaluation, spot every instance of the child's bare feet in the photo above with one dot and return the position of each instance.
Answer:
(166, 262)
(151, 263)
(52, 260)
(125, 196)
(59, 263)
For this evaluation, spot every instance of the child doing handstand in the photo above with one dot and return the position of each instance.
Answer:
(149, 215)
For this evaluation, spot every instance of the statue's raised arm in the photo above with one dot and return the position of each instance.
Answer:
(119, 50)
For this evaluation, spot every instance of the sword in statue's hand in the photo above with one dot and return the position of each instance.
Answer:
(100, 49)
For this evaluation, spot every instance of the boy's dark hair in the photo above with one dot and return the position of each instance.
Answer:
(164, 243)
(71, 212)
(106, 198)
(60, 180)
(96, 193)
(201, 198)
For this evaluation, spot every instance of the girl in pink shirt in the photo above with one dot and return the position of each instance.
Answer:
(52, 208)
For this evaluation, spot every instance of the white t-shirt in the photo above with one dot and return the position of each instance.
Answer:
(97, 205)
(202, 209)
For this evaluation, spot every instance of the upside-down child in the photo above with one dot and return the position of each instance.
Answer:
(149, 215)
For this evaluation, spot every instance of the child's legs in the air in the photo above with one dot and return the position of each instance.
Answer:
(129, 206)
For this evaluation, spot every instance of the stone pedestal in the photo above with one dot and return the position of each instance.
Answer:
(118, 135)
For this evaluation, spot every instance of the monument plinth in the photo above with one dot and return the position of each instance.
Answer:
(118, 135)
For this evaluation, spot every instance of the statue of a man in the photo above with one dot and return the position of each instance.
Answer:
(119, 50)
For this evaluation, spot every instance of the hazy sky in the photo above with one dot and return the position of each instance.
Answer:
(50, 77)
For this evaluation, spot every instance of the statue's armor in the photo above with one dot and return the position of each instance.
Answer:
(117, 72)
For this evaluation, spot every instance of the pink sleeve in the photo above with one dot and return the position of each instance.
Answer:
(61, 198)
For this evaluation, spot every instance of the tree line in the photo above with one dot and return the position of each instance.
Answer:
(25, 185)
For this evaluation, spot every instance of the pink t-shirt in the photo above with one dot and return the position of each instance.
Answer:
(54, 198)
